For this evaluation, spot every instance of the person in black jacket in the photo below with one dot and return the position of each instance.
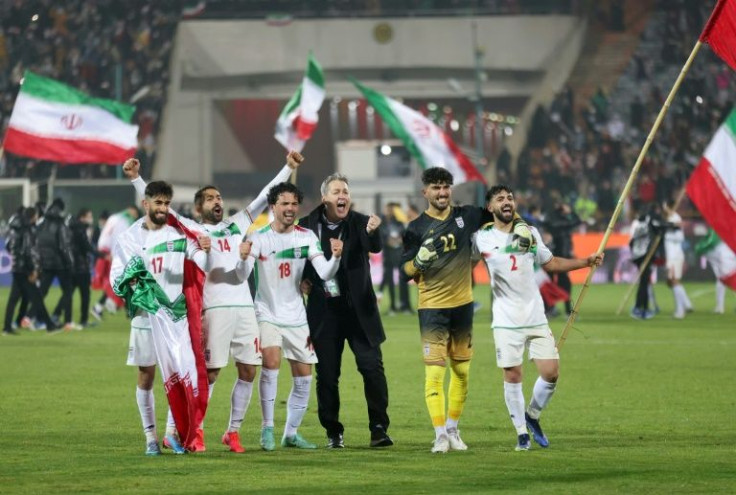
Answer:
(560, 225)
(345, 308)
(82, 251)
(54, 242)
(22, 247)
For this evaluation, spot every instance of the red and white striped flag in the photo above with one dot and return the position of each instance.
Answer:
(55, 122)
(299, 118)
(712, 185)
(423, 138)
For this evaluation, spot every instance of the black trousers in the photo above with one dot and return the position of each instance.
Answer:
(67, 288)
(388, 281)
(642, 292)
(82, 282)
(341, 324)
(22, 288)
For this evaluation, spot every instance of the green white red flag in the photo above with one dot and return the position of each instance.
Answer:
(426, 142)
(299, 118)
(55, 122)
(712, 185)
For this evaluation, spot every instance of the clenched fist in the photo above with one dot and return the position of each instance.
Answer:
(204, 242)
(374, 221)
(294, 159)
(336, 246)
(245, 249)
(131, 168)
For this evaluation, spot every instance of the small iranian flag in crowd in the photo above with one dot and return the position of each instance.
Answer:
(298, 119)
(423, 138)
(55, 122)
(712, 186)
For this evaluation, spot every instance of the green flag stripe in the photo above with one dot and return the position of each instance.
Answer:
(231, 229)
(380, 103)
(177, 246)
(314, 72)
(54, 91)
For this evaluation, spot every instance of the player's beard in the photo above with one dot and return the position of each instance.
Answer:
(504, 217)
(212, 216)
(158, 218)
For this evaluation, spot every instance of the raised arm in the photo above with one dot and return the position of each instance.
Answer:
(293, 160)
(328, 269)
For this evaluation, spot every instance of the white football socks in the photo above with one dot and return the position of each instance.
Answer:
(514, 396)
(267, 387)
(239, 401)
(297, 404)
(147, 410)
(720, 297)
(543, 392)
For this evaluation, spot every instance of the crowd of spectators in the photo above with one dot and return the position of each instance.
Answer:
(107, 48)
(581, 153)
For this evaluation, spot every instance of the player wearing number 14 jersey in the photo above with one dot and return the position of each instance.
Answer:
(229, 322)
(518, 311)
(279, 253)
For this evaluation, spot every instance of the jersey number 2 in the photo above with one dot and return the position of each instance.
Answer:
(513, 263)
(284, 270)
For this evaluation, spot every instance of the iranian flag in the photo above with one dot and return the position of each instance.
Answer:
(712, 186)
(426, 142)
(55, 122)
(298, 119)
(721, 258)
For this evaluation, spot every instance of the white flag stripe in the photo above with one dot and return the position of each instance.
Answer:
(721, 153)
(55, 120)
(312, 97)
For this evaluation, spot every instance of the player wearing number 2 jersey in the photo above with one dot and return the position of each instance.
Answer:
(279, 253)
(518, 311)
(229, 322)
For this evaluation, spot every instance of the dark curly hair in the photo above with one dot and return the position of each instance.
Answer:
(436, 175)
(281, 188)
(159, 188)
(497, 189)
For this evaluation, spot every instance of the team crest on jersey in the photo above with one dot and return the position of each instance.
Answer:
(169, 246)
(297, 253)
(459, 221)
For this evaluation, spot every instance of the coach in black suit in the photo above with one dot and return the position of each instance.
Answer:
(345, 309)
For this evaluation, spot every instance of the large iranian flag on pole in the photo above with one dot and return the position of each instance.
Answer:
(426, 142)
(55, 122)
(712, 186)
(298, 119)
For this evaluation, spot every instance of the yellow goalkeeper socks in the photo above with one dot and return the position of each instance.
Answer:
(458, 391)
(434, 393)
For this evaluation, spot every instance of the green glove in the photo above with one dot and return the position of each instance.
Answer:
(426, 255)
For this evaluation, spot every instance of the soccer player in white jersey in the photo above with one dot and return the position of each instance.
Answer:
(229, 321)
(519, 321)
(279, 253)
(675, 260)
(163, 248)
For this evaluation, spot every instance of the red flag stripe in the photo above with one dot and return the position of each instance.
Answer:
(471, 173)
(64, 150)
(714, 202)
(720, 31)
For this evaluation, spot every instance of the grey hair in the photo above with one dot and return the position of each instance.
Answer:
(332, 178)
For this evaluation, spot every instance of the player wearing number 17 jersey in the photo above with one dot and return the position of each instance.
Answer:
(519, 321)
(229, 322)
(279, 253)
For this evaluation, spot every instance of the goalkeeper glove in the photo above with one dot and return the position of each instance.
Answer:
(523, 238)
(426, 255)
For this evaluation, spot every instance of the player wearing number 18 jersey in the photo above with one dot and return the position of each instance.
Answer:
(518, 311)
(229, 323)
(279, 253)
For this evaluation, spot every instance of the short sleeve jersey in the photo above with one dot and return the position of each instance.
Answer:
(163, 251)
(279, 263)
(517, 303)
(447, 283)
(673, 238)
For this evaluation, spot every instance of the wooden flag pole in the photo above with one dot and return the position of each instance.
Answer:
(627, 189)
(649, 256)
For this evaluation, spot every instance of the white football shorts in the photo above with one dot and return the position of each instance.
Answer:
(231, 330)
(141, 350)
(511, 343)
(295, 342)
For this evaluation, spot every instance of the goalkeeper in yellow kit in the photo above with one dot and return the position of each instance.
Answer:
(437, 254)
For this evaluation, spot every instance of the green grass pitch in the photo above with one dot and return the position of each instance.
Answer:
(641, 407)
